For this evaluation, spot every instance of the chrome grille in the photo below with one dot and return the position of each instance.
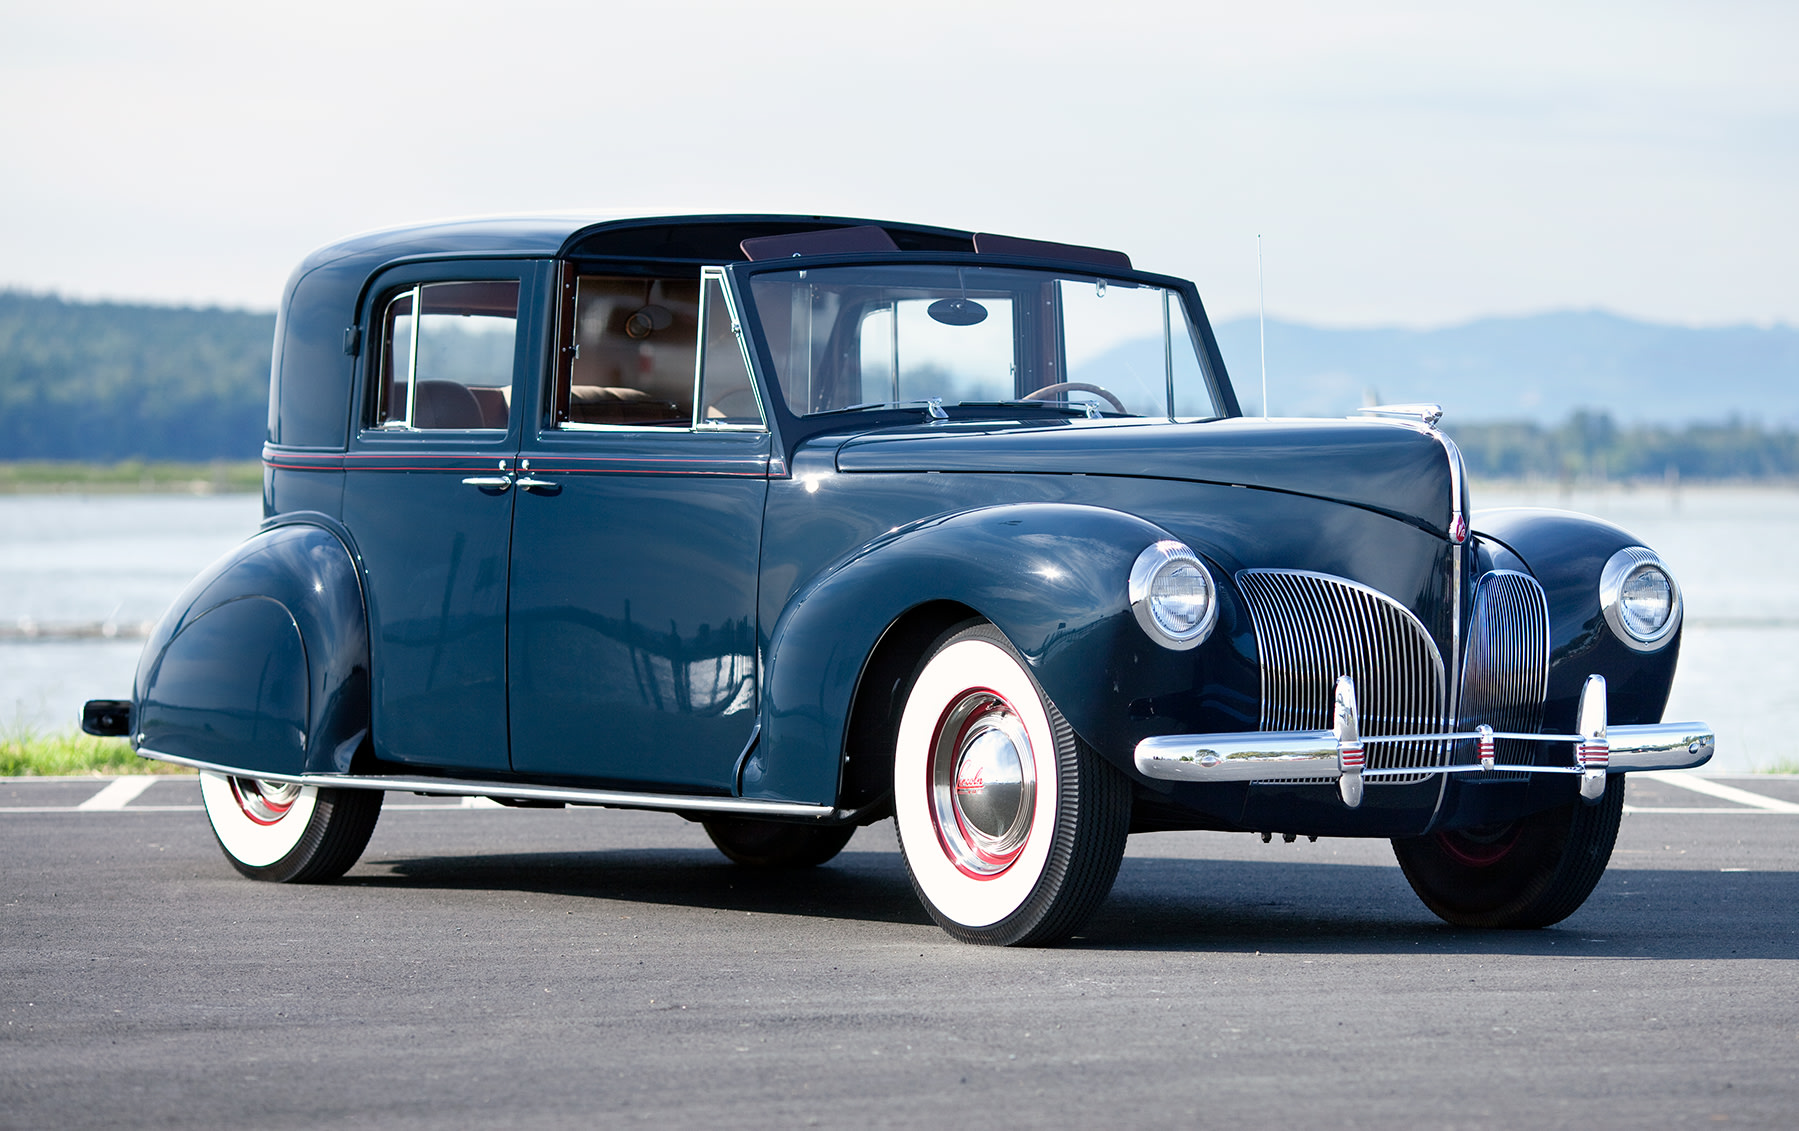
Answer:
(1311, 628)
(1505, 677)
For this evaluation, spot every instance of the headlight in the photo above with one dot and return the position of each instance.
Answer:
(1640, 599)
(1172, 595)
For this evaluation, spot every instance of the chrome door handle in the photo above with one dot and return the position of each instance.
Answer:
(489, 481)
(547, 486)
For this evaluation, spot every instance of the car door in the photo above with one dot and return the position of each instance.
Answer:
(428, 494)
(636, 541)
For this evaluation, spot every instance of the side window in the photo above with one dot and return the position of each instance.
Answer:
(446, 356)
(727, 395)
(629, 350)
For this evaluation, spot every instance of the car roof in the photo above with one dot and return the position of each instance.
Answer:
(710, 238)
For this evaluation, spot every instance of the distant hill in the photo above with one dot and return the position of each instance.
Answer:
(111, 381)
(1539, 368)
(114, 381)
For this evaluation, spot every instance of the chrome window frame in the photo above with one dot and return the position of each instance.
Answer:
(416, 292)
(695, 424)
(1217, 391)
(719, 275)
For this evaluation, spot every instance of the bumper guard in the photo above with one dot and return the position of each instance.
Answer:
(1340, 753)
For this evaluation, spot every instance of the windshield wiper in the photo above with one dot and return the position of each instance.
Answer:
(1083, 408)
(933, 407)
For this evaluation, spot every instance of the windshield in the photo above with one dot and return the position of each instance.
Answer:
(853, 337)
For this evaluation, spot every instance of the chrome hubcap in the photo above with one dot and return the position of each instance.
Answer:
(264, 802)
(983, 784)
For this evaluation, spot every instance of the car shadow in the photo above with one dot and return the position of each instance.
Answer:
(870, 886)
(1182, 904)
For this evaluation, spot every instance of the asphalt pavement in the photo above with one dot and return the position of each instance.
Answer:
(576, 968)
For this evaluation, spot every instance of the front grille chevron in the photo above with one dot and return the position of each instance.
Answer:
(1505, 677)
(1312, 627)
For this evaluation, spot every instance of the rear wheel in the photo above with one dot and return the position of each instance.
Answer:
(286, 832)
(1530, 872)
(775, 844)
(1012, 830)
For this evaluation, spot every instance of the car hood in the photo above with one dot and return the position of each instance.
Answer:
(1396, 469)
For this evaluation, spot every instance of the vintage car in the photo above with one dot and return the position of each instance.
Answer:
(789, 524)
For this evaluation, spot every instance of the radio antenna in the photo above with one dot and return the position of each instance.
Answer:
(1262, 322)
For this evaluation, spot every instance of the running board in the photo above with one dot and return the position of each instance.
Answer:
(462, 787)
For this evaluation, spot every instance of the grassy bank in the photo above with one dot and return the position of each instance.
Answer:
(21, 477)
(29, 753)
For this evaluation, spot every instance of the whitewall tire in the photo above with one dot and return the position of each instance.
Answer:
(1011, 829)
(286, 832)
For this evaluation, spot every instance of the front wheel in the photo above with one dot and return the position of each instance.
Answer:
(1012, 830)
(286, 832)
(1527, 873)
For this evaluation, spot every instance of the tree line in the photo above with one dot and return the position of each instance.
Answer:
(1592, 446)
(114, 381)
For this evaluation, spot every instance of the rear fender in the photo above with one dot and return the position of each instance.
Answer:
(1052, 577)
(262, 662)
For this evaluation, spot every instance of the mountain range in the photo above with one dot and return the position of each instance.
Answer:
(1538, 368)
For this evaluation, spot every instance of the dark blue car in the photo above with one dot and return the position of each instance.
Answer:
(789, 524)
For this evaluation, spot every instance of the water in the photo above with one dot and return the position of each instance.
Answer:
(94, 561)
(70, 560)
(1733, 550)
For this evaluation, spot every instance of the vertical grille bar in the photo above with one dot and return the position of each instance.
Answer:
(1311, 628)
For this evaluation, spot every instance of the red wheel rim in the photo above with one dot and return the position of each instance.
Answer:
(264, 802)
(1482, 847)
(980, 784)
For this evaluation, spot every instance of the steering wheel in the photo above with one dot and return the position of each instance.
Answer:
(1049, 391)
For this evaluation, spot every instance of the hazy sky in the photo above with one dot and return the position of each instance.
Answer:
(1410, 164)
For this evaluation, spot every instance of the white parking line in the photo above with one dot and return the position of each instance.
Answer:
(1721, 791)
(119, 792)
(1733, 810)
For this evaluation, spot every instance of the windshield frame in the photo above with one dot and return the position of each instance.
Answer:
(795, 427)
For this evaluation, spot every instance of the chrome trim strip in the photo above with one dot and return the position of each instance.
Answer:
(1426, 414)
(412, 354)
(671, 802)
(1167, 356)
(657, 429)
(1459, 547)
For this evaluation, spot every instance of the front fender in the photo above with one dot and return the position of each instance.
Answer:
(262, 662)
(1565, 552)
(1052, 577)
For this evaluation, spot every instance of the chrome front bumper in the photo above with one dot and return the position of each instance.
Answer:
(1339, 753)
